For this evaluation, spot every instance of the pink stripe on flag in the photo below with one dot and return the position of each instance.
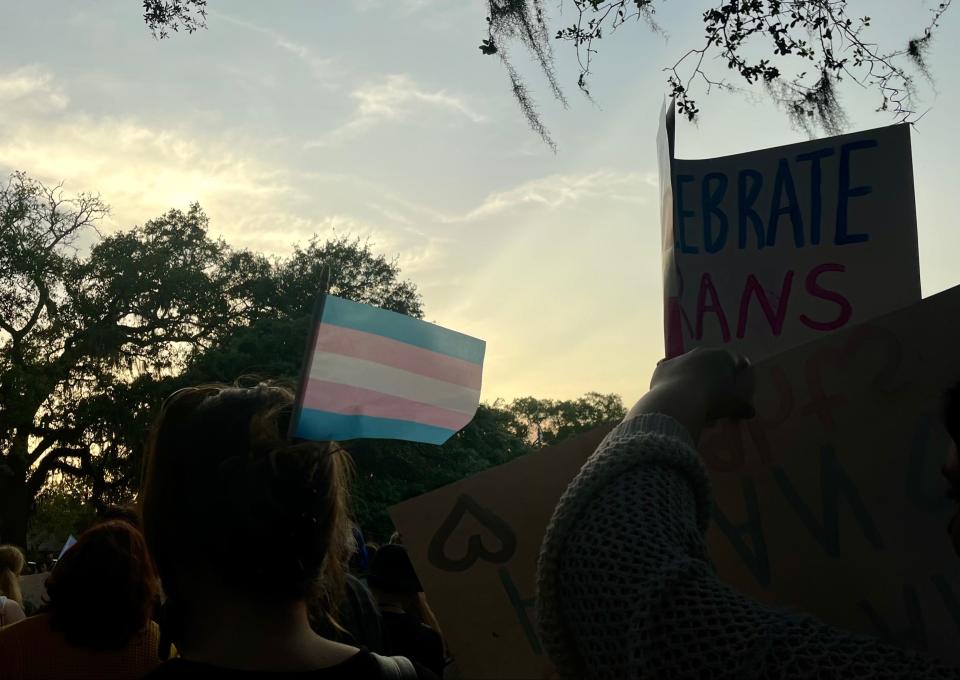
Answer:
(376, 348)
(328, 396)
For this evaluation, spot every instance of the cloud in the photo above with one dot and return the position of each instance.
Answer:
(394, 97)
(143, 170)
(30, 90)
(323, 69)
(555, 191)
(407, 6)
(140, 170)
(465, 268)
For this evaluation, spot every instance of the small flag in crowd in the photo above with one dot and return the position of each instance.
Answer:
(71, 541)
(378, 374)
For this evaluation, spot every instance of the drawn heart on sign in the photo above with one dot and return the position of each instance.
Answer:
(476, 550)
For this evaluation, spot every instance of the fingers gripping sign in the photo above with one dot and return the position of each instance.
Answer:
(701, 387)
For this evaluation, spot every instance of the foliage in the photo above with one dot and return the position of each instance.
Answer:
(389, 472)
(545, 422)
(271, 343)
(60, 511)
(80, 335)
(798, 50)
(392, 471)
(271, 347)
(91, 344)
(163, 15)
(523, 21)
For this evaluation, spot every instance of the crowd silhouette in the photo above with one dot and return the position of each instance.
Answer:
(240, 559)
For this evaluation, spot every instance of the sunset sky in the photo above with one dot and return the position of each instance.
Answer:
(381, 119)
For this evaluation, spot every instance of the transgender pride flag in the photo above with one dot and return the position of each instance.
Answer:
(377, 374)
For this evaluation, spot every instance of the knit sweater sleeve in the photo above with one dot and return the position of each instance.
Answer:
(626, 589)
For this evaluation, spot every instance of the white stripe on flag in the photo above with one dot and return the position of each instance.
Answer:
(393, 381)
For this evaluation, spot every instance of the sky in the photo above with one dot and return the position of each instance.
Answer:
(381, 119)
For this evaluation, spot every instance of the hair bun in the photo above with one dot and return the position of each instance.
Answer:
(281, 500)
(224, 482)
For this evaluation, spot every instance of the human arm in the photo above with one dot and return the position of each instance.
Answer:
(625, 585)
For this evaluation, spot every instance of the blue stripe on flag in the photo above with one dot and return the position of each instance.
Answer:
(327, 426)
(402, 328)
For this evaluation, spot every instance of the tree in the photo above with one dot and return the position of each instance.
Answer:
(389, 472)
(797, 50)
(60, 511)
(545, 422)
(271, 343)
(162, 16)
(78, 335)
(91, 343)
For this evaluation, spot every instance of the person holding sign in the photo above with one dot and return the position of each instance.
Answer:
(625, 586)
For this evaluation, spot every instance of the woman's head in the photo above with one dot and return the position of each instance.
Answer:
(103, 590)
(229, 501)
(11, 564)
(123, 513)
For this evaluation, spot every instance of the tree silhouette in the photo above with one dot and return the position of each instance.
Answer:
(91, 342)
(77, 333)
(798, 51)
(162, 16)
(95, 331)
(545, 422)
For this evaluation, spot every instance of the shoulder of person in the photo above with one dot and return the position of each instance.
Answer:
(401, 668)
(12, 609)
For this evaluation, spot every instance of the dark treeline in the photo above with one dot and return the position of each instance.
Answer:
(95, 330)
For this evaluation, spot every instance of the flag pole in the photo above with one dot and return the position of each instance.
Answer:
(308, 350)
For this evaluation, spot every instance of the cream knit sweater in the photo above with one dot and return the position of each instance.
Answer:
(626, 589)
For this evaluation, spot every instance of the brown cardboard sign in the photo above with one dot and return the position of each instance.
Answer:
(829, 502)
(474, 544)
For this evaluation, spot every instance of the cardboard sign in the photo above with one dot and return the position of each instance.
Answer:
(474, 544)
(829, 502)
(768, 249)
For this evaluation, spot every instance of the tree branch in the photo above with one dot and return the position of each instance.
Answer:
(42, 302)
(55, 460)
(820, 33)
(50, 436)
